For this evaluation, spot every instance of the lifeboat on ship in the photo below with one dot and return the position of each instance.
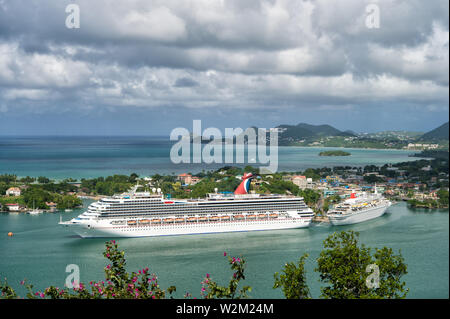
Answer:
(273, 215)
(202, 219)
(169, 220)
(213, 218)
(192, 219)
(179, 220)
(156, 221)
(144, 222)
(224, 217)
(131, 222)
(251, 216)
(262, 216)
(238, 217)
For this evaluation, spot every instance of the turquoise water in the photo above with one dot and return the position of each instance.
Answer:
(86, 157)
(41, 250)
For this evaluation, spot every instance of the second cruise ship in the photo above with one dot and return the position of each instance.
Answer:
(359, 208)
(138, 214)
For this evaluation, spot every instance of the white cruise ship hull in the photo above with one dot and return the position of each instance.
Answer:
(104, 229)
(359, 217)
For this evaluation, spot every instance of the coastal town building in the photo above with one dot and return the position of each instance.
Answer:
(188, 179)
(13, 207)
(422, 146)
(13, 191)
(51, 206)
(300, 181)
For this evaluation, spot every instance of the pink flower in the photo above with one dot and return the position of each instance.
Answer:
(207, 275)
(224, 253)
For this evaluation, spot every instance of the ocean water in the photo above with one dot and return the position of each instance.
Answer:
(87, 157)
(40, 250)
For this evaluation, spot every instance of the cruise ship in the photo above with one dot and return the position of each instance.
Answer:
(143, 214)
(359, 208)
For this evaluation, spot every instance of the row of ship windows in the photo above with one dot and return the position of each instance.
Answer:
(175, 215)
(133, 228)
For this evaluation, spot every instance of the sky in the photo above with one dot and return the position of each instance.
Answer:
(141, 67)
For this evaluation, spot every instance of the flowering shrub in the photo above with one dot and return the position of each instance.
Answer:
(210, 288)
(118, 283)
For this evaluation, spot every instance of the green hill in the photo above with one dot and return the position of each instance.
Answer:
(303, 130)
(439, 133)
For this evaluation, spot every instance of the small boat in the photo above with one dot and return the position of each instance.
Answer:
(192, 219)
(213, 218)
(262, 216)
(225, 217)
(202, 219)
(251, 216)
(179, 220)
(144, 221)
(35, 212)
(131, 222)
(273, 215)
(238, 217)
(168, 220)
(156, 221)
(117, 222)
(68, 210)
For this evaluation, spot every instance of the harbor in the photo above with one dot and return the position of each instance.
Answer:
(422, 236)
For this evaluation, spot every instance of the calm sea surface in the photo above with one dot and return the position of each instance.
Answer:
(85, 157)
(41, 250)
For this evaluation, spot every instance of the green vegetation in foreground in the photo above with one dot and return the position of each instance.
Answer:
(334, 153)
(348, 270)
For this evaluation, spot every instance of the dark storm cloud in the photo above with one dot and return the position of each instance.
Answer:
(204, 54)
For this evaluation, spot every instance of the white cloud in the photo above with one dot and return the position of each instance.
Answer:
(239, 54)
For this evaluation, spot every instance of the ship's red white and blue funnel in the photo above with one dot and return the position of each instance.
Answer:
(245, 185)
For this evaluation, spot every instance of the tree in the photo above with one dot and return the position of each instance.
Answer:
(443, 197)
(293, 280)
(43, 180)
(133, 178)
(310, 196)
(347, 268)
